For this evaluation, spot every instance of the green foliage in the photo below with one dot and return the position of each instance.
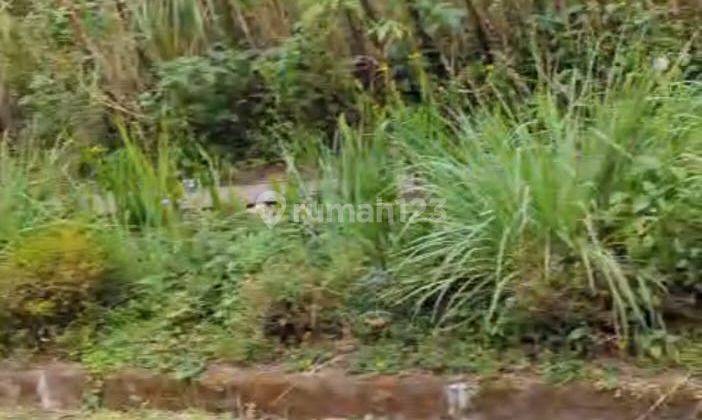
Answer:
(145, 191)
(361, 173)
(221, 291)
(218, 96)
(232, 69)
(173, 28)
(203, 87)
(35, 188)
(409, 347)
(563, 370)
(558, 150)
(49, 278)
(528, 200)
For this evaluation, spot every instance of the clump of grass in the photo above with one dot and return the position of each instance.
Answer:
(36, 187)
(362, 172)
(174, 28)
(555, 198)
(145, 190)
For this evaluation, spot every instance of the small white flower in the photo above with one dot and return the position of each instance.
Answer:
(166, 202)
(660, 64)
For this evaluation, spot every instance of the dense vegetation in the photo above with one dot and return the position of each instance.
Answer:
(559, 145)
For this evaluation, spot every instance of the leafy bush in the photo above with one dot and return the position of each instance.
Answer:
(229, 289)
(218, 95)
(49, 278)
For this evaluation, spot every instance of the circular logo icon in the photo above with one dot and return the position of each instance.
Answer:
(270, 207)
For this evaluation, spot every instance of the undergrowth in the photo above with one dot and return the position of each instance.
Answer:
(556, 171)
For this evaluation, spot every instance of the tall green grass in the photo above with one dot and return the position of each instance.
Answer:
(35, 187)
(362, 172)
(553, 209)
(144, 186)
(174, 28)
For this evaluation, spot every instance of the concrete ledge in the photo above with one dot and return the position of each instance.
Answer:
(51, 387)
(334, 394)
(294, 396)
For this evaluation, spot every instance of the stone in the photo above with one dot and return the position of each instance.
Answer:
(218, 389)
(539, 401)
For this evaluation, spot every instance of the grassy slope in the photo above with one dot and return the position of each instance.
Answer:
(567, 176)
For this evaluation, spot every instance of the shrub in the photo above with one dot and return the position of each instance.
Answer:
(218, 95)
(49, 278)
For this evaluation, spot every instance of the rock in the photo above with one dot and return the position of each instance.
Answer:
(321, 395)
(218, 389)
